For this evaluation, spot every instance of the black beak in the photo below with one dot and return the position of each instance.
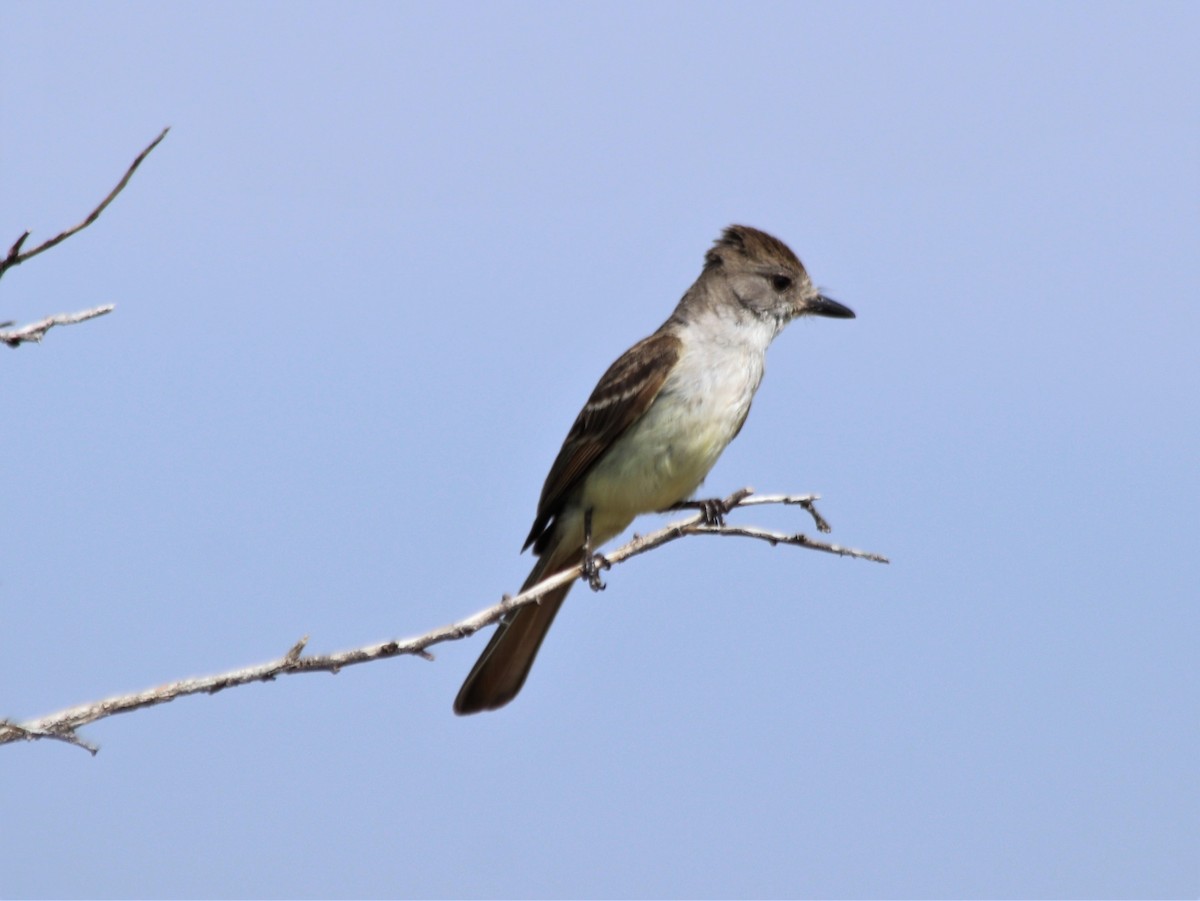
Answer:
(826, 306)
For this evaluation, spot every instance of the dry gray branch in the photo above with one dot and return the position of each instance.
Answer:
(14, 257)
(62, 726)
(35, 330)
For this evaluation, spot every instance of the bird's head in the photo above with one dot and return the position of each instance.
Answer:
(766, 278)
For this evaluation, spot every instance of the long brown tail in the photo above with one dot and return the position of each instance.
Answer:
(501, 669)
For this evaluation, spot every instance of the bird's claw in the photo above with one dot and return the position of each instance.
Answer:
(593, 565)
(713, 511)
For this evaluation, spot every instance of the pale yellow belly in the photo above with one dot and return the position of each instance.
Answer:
(667, 454)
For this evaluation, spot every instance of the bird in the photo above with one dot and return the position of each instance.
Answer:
(651, 430)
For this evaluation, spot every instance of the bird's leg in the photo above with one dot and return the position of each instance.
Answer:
(592, 563)
(712, 509)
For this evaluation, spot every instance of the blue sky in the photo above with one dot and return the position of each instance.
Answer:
(362, 289)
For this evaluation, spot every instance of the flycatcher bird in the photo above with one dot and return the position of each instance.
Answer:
(651, 431)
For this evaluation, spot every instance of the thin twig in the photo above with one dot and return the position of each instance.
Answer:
(806, 501)
(797, 539)
(15, 257)
(35, 330)
(62, 726)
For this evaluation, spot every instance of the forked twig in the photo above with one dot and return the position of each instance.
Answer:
(34, 332)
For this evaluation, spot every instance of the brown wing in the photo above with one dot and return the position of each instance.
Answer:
(622, 396)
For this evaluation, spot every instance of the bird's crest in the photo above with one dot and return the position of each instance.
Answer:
(753, 245)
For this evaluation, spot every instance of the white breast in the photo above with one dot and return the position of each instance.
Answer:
(666, 455)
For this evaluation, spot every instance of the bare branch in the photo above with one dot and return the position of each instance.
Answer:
(62, 726)
(15, 257)
(35, 330)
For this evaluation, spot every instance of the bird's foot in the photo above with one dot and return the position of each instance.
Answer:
(712, 510)
(592, 566)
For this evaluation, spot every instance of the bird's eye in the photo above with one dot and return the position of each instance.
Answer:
(780, 282)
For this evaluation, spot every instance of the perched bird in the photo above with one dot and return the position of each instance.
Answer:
(652, 429)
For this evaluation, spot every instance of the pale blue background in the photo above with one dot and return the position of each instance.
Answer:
(363, 288)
